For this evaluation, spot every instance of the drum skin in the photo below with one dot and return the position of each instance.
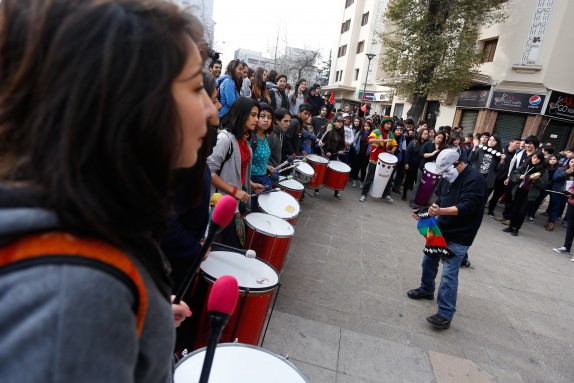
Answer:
(319, 165)
(336, 176)
(385, 166)
(280, 204)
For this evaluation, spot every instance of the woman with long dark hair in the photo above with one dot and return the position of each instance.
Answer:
(229, 85)
(231, 160)
(100, 102)
(529, 180)
(260, 170)
(334, 145)
(297, 96)
(429, 152)
(259, 91)
(360, 146)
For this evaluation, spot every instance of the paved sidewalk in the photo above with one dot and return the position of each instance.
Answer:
(343, 316)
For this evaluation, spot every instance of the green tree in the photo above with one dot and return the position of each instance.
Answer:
(432, 45)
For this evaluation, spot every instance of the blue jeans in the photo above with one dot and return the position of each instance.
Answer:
(447, 290)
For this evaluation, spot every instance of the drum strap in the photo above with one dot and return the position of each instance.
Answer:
(63, 248)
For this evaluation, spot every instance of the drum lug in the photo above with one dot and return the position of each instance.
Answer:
(286, 356)
(184, 353)
(236, 340)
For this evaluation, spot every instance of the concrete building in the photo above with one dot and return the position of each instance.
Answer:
(526, 84)
(295, 63)
(360, 21)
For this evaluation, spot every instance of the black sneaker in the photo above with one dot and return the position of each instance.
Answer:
(438, 322)
(508, 229)
(419, 294)
(338, 196)
(491, 214)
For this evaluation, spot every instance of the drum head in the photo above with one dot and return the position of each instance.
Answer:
(305, 168)
(430, 167)
(250, 273)
(279, 204)
(317, 159)
(339, 166)
(239, 363)
(270, 225)
(292, 185)
(388, 158)
(282, 178)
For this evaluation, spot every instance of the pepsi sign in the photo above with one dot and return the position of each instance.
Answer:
(517, 102)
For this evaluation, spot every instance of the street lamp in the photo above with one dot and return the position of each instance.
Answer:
(370, 57)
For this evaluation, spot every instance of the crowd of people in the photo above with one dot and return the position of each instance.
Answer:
(114, 137)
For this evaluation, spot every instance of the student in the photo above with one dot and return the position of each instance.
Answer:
(229, 86)
(381, 141)
(96, 128)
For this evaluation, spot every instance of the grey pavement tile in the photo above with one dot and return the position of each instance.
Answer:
(370, 358)
(303, 340)
(313, 235)
(315, 374)
(294, 307)
(320, 225)
(349, 321)
(550, 326)
(481, 309)
(345, 244)
(526, 364)
(501, 375)
(305, 266)
(339, 296)
(344, 378)
(350, 273)
(451, 369)
(555, 356)
(375, 283)
(532, 302)
(517, 317)
(298, 287)
(314, 251)
(384, 309)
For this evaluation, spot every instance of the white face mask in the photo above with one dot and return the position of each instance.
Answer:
(450, 174)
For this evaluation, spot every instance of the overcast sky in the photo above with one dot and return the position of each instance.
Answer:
(253, 24)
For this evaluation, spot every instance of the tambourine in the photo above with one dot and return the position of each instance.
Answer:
(490, 150)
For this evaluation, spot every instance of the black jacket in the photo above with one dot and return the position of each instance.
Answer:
(468, 194)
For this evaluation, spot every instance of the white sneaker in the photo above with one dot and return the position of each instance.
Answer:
(561, 250)
(388, 199)
(363, 198)
(354, 184)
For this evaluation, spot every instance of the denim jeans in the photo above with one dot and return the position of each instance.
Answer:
(447, 290)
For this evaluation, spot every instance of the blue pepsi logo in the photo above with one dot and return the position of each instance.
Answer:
(535, 100)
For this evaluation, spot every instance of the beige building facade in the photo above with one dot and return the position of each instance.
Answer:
(360, 21)
(526, 82)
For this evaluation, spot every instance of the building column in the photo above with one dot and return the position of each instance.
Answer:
(486, 120)
(533, 125)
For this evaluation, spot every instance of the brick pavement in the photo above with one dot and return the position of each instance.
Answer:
(342, 313)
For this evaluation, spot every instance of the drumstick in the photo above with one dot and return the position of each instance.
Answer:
(266, 192)
(557, 192)
(248, 253)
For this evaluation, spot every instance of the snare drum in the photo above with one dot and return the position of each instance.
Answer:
(280, 204)
(258, 282)
(292, 187)
(319, 165)
(303, 173)
(429, 181)
(270, 237)
(239, 363)
(337, 175)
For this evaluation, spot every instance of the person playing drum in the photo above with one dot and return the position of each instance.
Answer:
(261, 171)
(334, 146)
(381, 141)
(231, 161)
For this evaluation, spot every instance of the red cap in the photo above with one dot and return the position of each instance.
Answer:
(224, 295)
(224, 211)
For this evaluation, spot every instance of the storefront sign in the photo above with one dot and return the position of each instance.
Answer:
(377, 96)
(475, 98)
(560, 105)
(517, 102)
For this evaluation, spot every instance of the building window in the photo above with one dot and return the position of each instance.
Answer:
(360, 46)
(488, 50)
(348, 3)
(339, 75)
(365, 19)
(342, 50)
(357, 74)
(345, 26)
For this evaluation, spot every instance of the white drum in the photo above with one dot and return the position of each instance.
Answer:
(303, 173)
(251, 273)
(385, 165)
(280, 204)
(239, 363)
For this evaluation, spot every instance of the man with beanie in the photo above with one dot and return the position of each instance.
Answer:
(380, 140)
(459, 210)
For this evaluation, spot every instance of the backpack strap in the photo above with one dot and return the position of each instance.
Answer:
(64, 248)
